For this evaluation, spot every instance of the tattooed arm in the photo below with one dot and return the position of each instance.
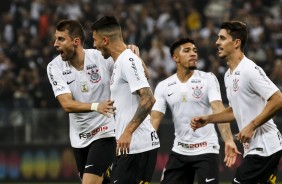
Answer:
(146, 103)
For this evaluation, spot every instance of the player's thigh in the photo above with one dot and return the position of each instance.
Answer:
(207, 168)
(100, 156)
(178, 170)
(255, 168)
(134, 168)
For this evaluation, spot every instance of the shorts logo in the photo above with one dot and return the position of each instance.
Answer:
(197, 93)
(209, 180)
(236, 181)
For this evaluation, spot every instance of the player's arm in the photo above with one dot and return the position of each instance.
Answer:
(273, 105)
(222, 117)
(231, 150)
(156, 118)
(224, 128)
(146, 103)
(70, 105)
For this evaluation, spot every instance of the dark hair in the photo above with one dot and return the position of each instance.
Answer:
(106, 23)
(74, 28)
(179, 42)
(237, 30)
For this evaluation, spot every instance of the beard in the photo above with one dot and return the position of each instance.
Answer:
(192, 67)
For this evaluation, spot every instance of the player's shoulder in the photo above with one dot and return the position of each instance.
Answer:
(203, 74)
(55, 62)
(168, 82)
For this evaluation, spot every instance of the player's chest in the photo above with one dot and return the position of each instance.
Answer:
(194, 90)
(235, 85)
(90, 77)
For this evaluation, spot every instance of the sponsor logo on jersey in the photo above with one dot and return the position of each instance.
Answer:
(89, 67)
(51, 75)
(197, 92)
(133, 66)
(87, 135)
(171, 83)
(235, 84)
(155, 138)
(193, 146)
(195, 81)
(262, 74)
(237, 73)
(66, 72)
(58, 89)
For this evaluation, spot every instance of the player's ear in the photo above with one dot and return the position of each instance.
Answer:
(76, 41)
(175, 58)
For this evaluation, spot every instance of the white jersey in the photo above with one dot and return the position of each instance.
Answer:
(248, 88)
(128, 77)
(187, 100)
(92, 84)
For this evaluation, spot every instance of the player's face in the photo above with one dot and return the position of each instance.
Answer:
(187, 56)
(225, 44)
(65, 45)
(100, 42)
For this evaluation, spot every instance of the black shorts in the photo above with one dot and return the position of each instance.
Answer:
(181, 169)
(257, 169)
(134, 168)
(96, 158)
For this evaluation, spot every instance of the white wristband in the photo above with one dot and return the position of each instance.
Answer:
(94, 106)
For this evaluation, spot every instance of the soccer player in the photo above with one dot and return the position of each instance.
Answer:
(80, 79)
(137, 140)
(253, 101)
(188, 93)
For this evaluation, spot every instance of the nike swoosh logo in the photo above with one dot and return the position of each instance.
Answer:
(209, 180)
(170, 94)
(88, 166)
(115, 181)
(236, 180)
(70, 82)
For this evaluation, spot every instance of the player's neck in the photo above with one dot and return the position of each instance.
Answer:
(184, 75)
(78, 60)
(117, 48)
(234, 60)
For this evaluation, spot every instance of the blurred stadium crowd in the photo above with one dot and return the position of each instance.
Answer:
(27, 34)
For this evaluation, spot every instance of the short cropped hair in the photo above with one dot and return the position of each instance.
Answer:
(105, 24)
(179, 42)
(237, 30)
(74, 28)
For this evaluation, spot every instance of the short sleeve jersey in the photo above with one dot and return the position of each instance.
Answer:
(187, 100)
(128, 77)
(248, 89)
(92, 84)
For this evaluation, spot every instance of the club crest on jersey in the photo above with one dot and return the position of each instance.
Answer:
(235, 85)
(197, 93)
(95, 77)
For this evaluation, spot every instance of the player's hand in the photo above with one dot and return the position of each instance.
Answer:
(198, 122)
(245, 135)
(134, 49)
(106, 108)
(231, 153)
(123, 143)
